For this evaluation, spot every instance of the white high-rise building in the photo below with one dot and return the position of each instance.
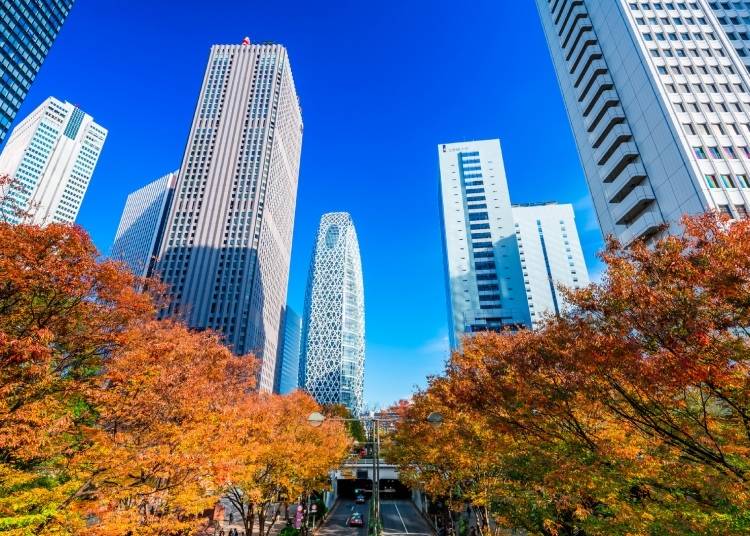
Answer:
(658, 100)
(551, 255)
(483, 271)
(50, 157)
(142, 224)
(332, 363)
(228, 238)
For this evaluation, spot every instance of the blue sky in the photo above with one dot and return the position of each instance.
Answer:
(381, 85)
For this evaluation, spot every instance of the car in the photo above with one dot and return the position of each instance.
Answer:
(355, 520)
(360, 499)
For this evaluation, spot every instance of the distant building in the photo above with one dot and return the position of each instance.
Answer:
(503, 263)
(551, 255)
(287, 378)
(27, 30)
(333, 336)
(142, 224)
(225, 254)
(482, 267)
(658, 97)
(51, 156)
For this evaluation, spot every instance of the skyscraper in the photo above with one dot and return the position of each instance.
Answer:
(658, 101)
(287, 362)
(51, 156)
(550, 253)
(484, 282)
(27, 30)
(333, 333)
(142, 224)
(227, 242)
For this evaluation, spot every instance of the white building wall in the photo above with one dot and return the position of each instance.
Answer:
(227, 245)
(51, 156)
(141, 224)
(551, 256)
(332, 363)
(483, 276)
(650, 88)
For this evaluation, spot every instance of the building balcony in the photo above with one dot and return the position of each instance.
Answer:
(631, 176)
(583, 39)
(618, 162)
(601, 91)
(603, 114)
(579, 69)
(573, 23)
(644, 226)
(634, 203)
(607, 135)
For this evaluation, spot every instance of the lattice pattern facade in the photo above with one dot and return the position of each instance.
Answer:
(333, 338)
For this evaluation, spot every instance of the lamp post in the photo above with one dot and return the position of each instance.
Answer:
(317, 419)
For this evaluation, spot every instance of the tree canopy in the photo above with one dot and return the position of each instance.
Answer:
(114, 423)
(627, 414)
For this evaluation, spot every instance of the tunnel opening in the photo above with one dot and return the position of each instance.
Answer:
(390, 489)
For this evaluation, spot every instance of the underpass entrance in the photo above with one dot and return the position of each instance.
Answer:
(349, 488)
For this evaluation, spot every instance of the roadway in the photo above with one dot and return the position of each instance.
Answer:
(336, 523)
(402, 517)
(399, 518)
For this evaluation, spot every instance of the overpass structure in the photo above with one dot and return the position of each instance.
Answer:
(357, 476)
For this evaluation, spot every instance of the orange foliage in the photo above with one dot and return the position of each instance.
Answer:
(626, 415)
(113, 423)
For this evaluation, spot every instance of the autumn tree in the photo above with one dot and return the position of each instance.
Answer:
(110, 422)
(167, 396)
(62, 312)
(277, 454)
(626, 415)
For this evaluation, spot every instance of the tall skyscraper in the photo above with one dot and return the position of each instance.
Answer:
(51, 156)
(287, 362)
(551, 255)
(332, 366)
(658, 101)
(142, 224)
(227, 242)
(27, 30)
(484, 282)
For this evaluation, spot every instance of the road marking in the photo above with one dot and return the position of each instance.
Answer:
(401, 518)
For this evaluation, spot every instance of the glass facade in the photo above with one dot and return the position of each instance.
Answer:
(333, 340)
(142, 224)
(287, 377)
(27, 30)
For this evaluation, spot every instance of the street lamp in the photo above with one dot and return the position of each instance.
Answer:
(435, 419)
(316, 419)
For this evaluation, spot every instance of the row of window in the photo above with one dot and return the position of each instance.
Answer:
(728, 181)
(658, 6)
(701, 88)
(716, 154)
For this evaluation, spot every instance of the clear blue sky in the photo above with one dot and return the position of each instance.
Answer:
(381, 84)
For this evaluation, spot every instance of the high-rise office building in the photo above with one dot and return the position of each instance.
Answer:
(27, 30)
(227, 243)
(484, 281)
(551, 255)
(333, 333)
(50, 157)
(142, 224)
(657, 94)
(287, 362)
